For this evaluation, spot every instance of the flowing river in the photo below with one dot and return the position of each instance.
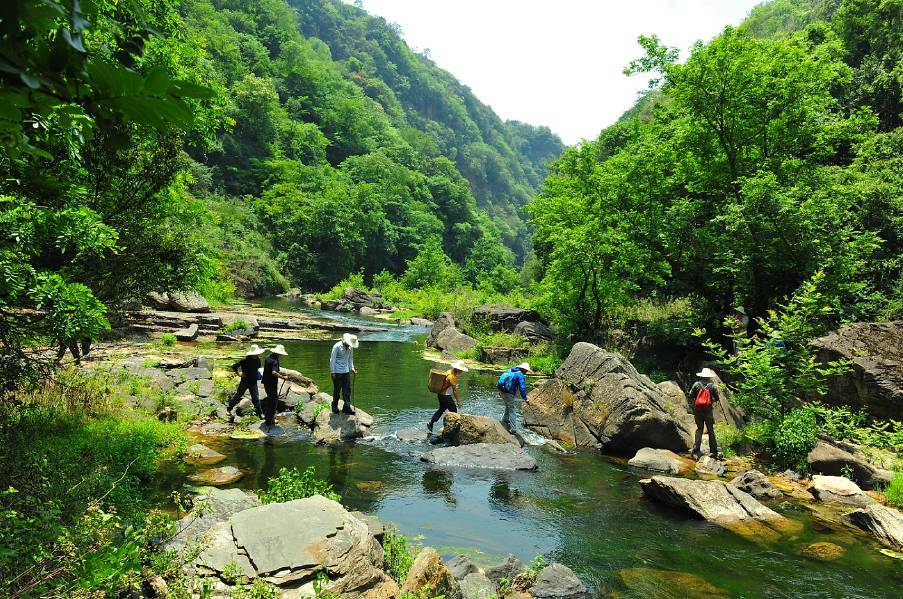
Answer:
(581, 509)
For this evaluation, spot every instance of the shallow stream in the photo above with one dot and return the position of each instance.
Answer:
(581, 509)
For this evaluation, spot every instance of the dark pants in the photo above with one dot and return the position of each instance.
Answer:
(250, 386)
(269, 404)
(341, 382)
(705, 418)
(72, 346)
(446, 402)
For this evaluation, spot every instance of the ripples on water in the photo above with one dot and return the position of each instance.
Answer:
(581, 509)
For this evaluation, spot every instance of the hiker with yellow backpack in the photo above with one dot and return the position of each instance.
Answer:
(444, 385)
(704, 393)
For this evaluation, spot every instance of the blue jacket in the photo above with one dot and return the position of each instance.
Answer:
(517, 379)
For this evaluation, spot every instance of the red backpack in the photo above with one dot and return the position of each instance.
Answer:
(703, 399)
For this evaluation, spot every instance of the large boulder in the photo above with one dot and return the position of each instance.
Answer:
(503, 318)
(452, 340)
(557, 581)
(508, 569)
(187, 301)
(467, 429)
(717, 502)
(360, 298)
(598, 399)
(481, 455)
(875, 382)
(838, 490)
(828, 457)
(534, 331)
(333, 428)
(461, 565)
(660, 460)
(477, 586)
(429, 574)
(157, 301)
(756, 484)
(883, 523)
(445, 321)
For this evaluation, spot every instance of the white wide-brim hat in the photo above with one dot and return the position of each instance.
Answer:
(351, 340)
(524, 366)
(459, 365)
(279, 349)
(255, 350)
(706, 373)
(741, 310)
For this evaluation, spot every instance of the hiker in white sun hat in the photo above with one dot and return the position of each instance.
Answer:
(704, 393)
(513, 380)
(450, 384)
(341, 366)
(271, 372)
(249, 366)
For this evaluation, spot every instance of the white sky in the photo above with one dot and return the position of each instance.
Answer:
(553, 63)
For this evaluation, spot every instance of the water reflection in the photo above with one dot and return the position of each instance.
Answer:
(439, 483)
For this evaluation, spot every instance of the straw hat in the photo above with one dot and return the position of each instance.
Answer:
(741, 310)
(279, 349)
(706, 373)
(349, 339)
(459, 365)
(255, 350)
(524, 366)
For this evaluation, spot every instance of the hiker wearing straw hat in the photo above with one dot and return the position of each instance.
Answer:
(445, 399)
(271, 372)
(512, 380)
(341, 365)
(739, 326)
(249, 366)
(704, 393)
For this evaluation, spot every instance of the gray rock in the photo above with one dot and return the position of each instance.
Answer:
(412, 435)
(157, 301)
(503, 318)
(374, 525)
(659, 460)
(332, 428)
(476, 586)
(875, 383)
(460, 566)
(429, 574)
(218, 506)
(558, 582)
(189, 334)
(836, 458)
(534, 331)
(453, 340)
(421, 322)
(367, 311)
(468, 429)
(202, 454)
(509, 569)
(882, 522)
(219, 551)
(710, 466)
(717, 502)
(838, 490)
(598, 399)
(444, 321)
(223, 475)
(361, 298)
(481, 455)
(503, 355)
(190, 301)
(756, 484)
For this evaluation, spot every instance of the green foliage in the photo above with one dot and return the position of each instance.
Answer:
(728, 437)
(168, 339)
(291, 484)
(894, 490)
(794, 438)
(236, 325)
(843, 423)
(398, 557)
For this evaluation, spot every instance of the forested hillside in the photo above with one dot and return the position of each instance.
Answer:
(768, 159)
(346, 150)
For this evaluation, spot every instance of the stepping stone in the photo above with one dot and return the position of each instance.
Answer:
(223, 475)
(481, 455)
(201, 454)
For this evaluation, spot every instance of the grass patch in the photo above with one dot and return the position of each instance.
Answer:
(893, 492)
(236, 325)
(398, 555)
(291, 484)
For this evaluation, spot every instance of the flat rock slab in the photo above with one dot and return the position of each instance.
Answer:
(412, 435)
(201, 454)
(719, 503)
(223, 475)
(660, 460)
(218, 506)
(481, 455)
(187, 334)
(838, 490)
(882, 522)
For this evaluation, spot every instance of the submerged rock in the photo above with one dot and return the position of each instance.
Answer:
(598, 399)
(718, 502)
(467, 429)
(557, 581)
(223, 475)
(824, 551)
(660, 460)
(202, 454)
(882, 522)
(756, 484)
(838, 490)
(666, 584)
(481, 455)
(429, 574)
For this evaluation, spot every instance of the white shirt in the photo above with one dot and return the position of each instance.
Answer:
(342, 358)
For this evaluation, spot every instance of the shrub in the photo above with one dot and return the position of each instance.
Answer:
(168, 340)
(398, 557)
(236, 325)
(843, 423)
(894, 490)
(794, 438)
(291, 484)
(355, 279)
(728, 436)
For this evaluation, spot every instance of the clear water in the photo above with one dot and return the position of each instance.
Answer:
(581, 509)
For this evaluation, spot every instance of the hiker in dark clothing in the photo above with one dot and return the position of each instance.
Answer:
(271, 372)
(249, 366)
(449, 388)
(703, 393)
(72, 346)
(341, 367)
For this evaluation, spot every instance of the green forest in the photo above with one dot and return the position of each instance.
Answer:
(242, 148)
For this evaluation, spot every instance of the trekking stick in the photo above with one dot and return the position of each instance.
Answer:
(281, 387)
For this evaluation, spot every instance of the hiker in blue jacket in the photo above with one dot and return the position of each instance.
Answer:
(512, 380)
